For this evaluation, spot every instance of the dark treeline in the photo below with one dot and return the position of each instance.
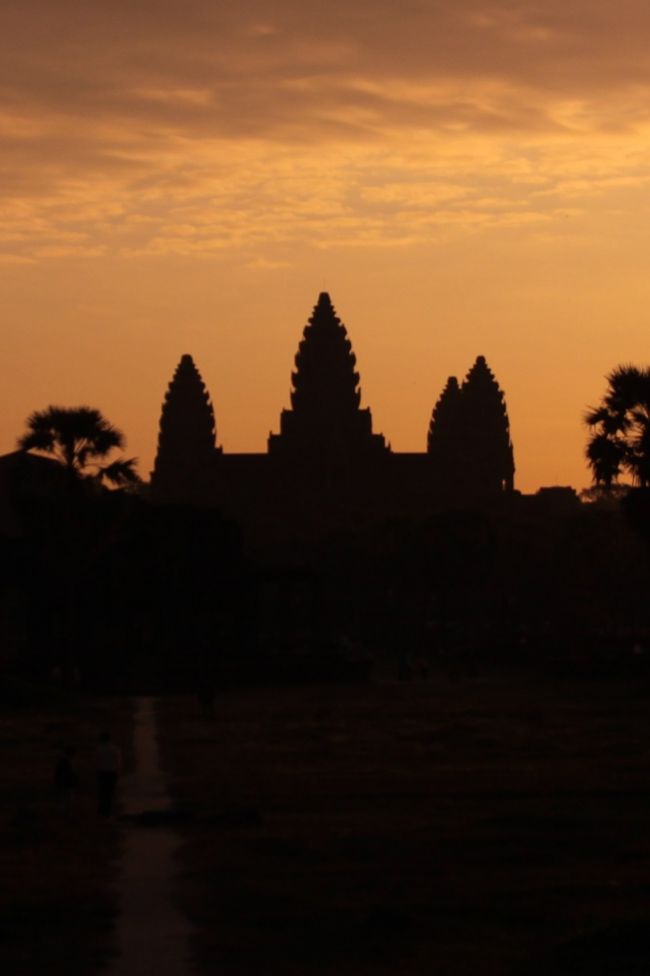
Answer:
(105, 586)
(110, 589)
(313, 575)
(328, 557)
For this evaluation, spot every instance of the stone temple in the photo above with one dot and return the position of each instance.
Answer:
(326, 468)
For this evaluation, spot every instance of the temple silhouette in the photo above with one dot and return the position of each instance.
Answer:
(327, 468)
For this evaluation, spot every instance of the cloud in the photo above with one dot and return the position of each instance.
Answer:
(265, 264)
(7, 258)
(189, 128)
(282, 69)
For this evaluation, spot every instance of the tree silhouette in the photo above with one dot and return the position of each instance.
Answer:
(81, 439)
(619, 444)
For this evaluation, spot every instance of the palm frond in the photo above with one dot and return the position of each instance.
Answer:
(79, 437)
(605, 456)
(121, 472)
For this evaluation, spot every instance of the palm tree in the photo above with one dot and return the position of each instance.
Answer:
(620, 440)
(81, 439)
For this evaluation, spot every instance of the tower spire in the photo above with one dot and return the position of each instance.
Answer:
(187, 433)
(325, 419)
(489, 456)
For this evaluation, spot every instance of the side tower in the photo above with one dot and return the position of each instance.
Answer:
(186, 438)
(325, 423)
(444, 440)
(487, 457)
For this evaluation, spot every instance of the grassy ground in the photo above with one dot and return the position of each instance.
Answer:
(57, 867)
(421, 827)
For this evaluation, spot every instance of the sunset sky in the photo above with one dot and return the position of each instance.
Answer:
(464, 178)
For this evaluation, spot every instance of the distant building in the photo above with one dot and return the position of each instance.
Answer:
(326, 467)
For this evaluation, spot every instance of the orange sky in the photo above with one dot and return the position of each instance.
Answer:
(464, 178)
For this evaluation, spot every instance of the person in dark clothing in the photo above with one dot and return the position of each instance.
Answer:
(66, 777)
(206, 696)
(109, 765)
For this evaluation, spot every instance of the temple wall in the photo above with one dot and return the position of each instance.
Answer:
(280, 499)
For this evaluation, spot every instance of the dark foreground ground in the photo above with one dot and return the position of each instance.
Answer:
(57, 867)
(485, 826)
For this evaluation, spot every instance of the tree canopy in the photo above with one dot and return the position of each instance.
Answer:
(619, 442)
(81, 439)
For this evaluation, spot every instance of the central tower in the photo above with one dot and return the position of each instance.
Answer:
(325, 423)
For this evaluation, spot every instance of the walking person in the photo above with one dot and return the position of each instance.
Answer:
(109, 767)
(66, 778)
(206, 695)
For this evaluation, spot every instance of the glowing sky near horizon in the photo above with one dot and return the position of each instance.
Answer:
(464, 178)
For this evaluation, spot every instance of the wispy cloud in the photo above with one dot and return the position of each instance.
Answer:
(192, 128)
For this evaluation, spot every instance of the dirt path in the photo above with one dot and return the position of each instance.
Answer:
(151, 934)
